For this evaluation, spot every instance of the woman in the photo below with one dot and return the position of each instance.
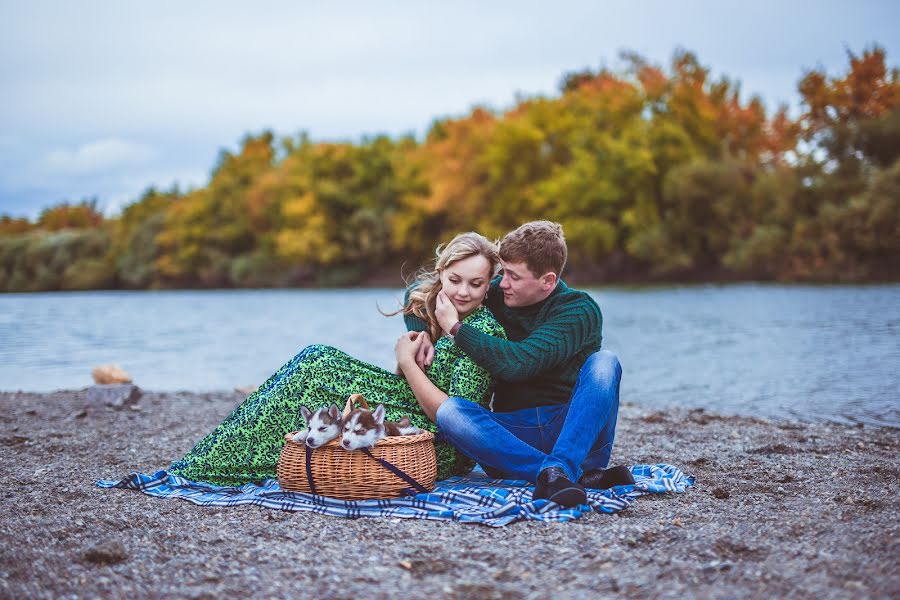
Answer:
(246, 446)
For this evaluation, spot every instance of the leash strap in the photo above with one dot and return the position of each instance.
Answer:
(415, 484)
(309, 477)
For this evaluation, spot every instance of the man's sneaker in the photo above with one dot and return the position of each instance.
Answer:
(555, 486)
(603, 479)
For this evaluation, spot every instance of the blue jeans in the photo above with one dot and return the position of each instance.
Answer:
(575, 437)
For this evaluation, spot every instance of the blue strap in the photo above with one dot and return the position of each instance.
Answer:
(309, 477)
(421, 488)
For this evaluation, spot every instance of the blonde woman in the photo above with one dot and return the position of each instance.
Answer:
(245, 447)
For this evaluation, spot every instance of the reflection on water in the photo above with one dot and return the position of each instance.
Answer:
(778, 351)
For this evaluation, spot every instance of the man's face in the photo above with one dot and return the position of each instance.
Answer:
(520, 286)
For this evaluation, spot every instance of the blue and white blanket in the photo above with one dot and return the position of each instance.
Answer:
(471, 499)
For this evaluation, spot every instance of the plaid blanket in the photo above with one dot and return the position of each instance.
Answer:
(471, 499)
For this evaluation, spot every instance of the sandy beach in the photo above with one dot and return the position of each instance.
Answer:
(780, 509)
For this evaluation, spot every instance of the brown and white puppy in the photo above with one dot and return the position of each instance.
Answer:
(363, 428)
(322, 426)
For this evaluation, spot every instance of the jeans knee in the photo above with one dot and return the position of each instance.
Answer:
(603, 364)
(449, 412)
(456, 415)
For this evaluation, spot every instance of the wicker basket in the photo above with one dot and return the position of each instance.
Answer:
(358, 475)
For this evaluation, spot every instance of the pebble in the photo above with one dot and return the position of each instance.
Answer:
(697, 543)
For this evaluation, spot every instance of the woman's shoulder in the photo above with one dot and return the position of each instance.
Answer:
(483, 319)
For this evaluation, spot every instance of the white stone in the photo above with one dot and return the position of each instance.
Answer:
(115, 395)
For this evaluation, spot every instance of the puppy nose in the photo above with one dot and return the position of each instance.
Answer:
(346, 443)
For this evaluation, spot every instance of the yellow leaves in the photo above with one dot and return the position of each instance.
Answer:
(298, 210)
(305, 237)
(307, 245)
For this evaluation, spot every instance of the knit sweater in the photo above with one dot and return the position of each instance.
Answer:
(548, 343)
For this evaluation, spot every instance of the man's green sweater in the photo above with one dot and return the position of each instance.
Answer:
(548, 343)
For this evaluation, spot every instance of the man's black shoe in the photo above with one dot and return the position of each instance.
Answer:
(555, 486)
(603, 479)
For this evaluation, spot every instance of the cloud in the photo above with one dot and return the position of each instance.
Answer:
(99, 155)
(114, 170)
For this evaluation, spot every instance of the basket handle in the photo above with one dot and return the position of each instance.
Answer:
(396, 471)
(355, 398)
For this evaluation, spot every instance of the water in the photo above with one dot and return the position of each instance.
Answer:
(809, 353)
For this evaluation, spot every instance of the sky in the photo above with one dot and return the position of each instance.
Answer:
(104, 99)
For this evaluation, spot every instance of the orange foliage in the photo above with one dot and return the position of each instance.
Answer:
(12, 226)
(869, 90)
(70, 216)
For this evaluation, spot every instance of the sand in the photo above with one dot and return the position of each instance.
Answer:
(779, 509)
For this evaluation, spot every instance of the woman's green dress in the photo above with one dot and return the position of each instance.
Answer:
(246, 446)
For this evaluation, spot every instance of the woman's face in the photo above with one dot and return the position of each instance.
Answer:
(466, 282)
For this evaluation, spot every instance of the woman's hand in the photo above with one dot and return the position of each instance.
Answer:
(425, 355)
(446, 314)
(406, 348)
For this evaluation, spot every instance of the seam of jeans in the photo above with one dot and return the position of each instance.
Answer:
(560, 413)
(518, 426)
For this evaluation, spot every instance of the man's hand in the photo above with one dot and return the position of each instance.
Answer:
(446, 313)
(425, 355)
(406, 348)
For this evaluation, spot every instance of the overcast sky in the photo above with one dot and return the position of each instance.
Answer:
(106, 98)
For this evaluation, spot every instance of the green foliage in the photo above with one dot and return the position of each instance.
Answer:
(135, 249)
(704, 204)
(760, 254)
(879, 138)
(63, 260)
(258, 269)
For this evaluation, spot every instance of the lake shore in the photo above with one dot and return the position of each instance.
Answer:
(779, 509)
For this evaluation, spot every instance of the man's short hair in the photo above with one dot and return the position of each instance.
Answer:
(539, 244)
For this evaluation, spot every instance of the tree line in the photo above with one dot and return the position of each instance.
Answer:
(656, 173)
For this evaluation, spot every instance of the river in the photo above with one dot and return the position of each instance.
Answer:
(786, 352)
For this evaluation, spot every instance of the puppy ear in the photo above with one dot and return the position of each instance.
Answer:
(305, 412)
(334, 412)
(378, 414)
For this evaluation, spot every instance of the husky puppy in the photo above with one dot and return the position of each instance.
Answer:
(363, 428)
(322, 426)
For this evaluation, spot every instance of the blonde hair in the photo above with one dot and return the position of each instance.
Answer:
(539, 244)
(427, 282)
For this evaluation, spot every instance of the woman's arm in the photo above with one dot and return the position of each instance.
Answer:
(425, 355)
(429, 396)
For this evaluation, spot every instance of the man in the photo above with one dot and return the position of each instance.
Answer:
(557, 394)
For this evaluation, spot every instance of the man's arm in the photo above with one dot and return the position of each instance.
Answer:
(567, 332)
(413, 323)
